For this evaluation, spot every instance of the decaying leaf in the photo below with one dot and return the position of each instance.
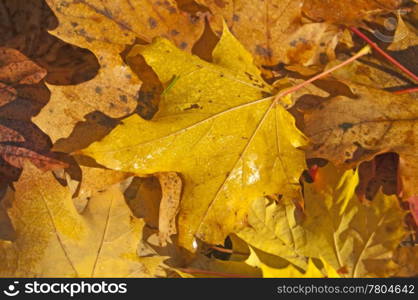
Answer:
(345, 12)
(16, 70)
(20, 140)
(273, 31)
(171, 187)
(52, 239)
(355, 239)
(357, 129)
(217, 126)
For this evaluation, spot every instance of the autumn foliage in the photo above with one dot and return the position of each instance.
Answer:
(208, 138)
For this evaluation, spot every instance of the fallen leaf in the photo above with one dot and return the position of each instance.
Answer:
(407, 259)
(20, 140)
(89, 185)
(272, 30)
(311, 270)
(405, 36)
(352, 12)
(273, 228)
(24, 26)
(16, 70)
(356, 129)
(171, 187)
(345, 233)
(53, 240)
(217, 125)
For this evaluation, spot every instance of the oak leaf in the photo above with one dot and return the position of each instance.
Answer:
(53, 240)
(217, 125)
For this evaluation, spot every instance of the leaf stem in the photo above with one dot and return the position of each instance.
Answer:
(223, 250)
(384, 54)
(359, 54)
(407, 91)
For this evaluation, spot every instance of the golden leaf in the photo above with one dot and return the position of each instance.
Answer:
(356, 239)
(218, 126)
(53, 240)
(273, 228)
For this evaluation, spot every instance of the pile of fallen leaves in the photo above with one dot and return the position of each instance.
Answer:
(208, 138)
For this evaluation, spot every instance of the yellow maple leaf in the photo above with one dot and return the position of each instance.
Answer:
(355, 239)
(53, 240)
(218, 125)
(273, 228)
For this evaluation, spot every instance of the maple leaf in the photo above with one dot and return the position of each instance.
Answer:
(217, 125)
(52, 239)
(273, 228)
(352, 12)
(106, 28)
(355, 239)
(357, 129)
(273, 33)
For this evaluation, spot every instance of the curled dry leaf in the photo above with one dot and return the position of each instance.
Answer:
(214, 126)
(52, 239)
(171, 187)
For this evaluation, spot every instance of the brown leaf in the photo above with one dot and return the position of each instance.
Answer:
(21, 140)
(346, 12)
(273, 30)
(348, 130)
(24, 26)
(16, 69)
(105, 28)
(171, 187)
